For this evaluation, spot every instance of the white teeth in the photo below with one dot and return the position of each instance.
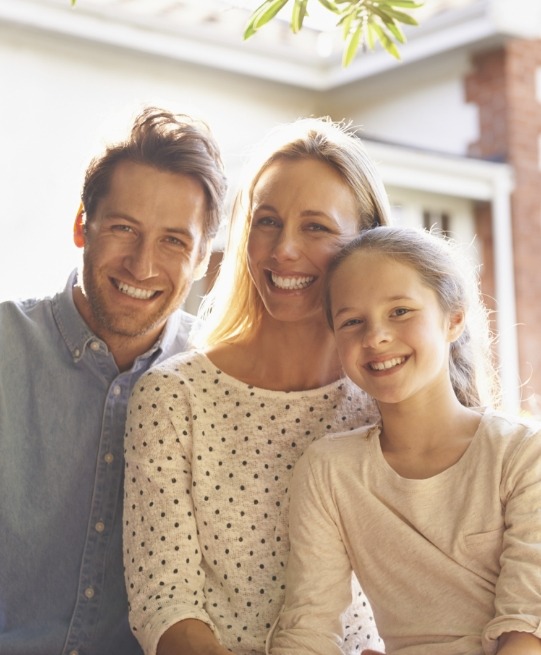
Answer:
(300, 282)
(390, 363)
(133, 292)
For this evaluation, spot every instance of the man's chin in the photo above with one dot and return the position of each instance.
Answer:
(133, 328)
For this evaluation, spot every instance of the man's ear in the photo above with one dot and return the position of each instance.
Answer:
(457, 323)
(202, 265)
(79, 227)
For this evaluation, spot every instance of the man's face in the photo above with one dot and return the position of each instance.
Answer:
(141, 251)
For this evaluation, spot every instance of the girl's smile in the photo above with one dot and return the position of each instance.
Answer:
(392, 335)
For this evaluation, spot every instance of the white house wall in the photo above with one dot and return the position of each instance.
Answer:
(62, 100)
(411, 106)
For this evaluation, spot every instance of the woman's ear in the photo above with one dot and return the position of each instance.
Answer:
(79, 227)
(457, 323)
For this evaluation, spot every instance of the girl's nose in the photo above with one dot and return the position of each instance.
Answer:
(375, 334)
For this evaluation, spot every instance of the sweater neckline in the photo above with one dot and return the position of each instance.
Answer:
(330, 388)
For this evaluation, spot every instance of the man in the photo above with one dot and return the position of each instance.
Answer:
(151, 206)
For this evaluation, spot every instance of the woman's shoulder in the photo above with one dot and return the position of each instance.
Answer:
(177, 365)
(181, 369)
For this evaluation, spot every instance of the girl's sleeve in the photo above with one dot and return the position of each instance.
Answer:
(518, 589)
(318, 579)
(162, 560)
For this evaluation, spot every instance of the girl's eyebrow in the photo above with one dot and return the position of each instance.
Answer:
(396, 298)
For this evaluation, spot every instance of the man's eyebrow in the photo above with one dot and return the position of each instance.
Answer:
(169, 230)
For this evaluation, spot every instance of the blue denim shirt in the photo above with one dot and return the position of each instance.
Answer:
(62, 413)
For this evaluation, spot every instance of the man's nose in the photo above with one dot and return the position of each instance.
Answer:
(141, 260)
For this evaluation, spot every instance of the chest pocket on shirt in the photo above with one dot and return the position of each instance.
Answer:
(483, 550)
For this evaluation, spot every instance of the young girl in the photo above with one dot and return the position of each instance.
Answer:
(437, 509)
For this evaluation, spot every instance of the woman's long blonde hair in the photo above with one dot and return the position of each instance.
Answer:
(233, 306)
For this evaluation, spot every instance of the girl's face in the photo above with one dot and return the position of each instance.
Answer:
(392, 335)
(302, 213)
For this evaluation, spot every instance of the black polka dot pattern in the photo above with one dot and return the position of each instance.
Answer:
(208, 464)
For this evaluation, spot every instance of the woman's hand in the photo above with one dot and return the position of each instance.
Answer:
(190, 637)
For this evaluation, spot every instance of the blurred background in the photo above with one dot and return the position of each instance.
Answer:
(454, 126)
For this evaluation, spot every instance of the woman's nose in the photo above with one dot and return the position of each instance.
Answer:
(286, 245)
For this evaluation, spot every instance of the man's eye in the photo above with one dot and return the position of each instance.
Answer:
(122, 228)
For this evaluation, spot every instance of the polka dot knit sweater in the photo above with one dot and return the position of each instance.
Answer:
(208, 464)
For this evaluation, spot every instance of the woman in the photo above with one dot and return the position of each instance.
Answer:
(212, 437)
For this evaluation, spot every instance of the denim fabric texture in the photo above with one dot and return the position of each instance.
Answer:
(62, 413)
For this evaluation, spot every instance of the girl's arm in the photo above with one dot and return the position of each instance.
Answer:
(519, 643)
(518, 588)
(318, 579)
(162, 556)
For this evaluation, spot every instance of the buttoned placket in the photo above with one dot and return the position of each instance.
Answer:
(106, 500)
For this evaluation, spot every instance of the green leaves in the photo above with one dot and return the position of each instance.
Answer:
(363, 22)
(263, 14)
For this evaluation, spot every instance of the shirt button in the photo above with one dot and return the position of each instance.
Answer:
(89, 592)
(117, 390)
(100, 526)
(76, 352)
(95, 345)
(108, 457)
(74, 652)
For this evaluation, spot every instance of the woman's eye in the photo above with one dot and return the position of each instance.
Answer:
(266, 221)
(175, 242)
(317, 227)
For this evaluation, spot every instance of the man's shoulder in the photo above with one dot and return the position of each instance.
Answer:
(178, 334)
(15, 314)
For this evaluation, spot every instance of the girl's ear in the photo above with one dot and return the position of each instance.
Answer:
(79, 227)
(457, 323)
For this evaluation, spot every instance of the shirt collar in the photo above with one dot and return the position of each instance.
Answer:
(79, 337)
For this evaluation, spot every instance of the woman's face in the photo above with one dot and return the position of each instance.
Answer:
(302, 213)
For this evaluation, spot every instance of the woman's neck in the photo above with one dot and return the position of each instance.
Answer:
(281, 356)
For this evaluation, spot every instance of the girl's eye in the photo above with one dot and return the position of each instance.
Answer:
(317, 227)
(350, 322)
(401, 311)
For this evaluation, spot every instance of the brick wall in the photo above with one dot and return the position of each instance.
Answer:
(503, 85)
